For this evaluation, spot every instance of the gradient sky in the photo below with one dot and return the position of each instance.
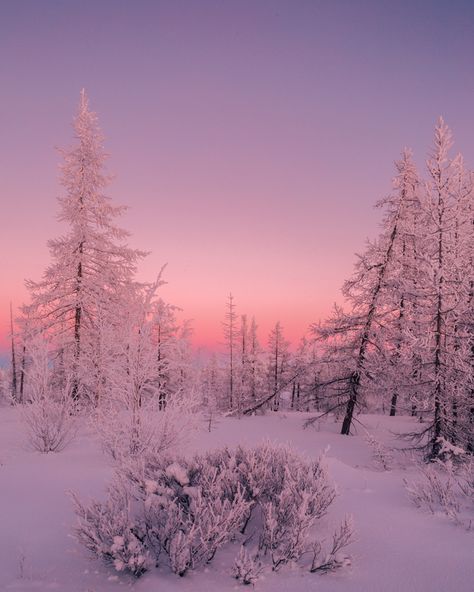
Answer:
(249, 138)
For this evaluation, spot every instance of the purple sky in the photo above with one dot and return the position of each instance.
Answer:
(250, 138)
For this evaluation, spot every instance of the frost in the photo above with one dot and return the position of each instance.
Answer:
(150, 486)
(179, 473)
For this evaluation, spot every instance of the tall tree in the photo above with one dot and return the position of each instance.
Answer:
(357, 342)
(255, 362)
(14, 386)
(91, 264)
(445, 353)
(231, 337)
(278, 363)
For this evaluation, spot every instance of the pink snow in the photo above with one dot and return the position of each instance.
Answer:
(397, 548)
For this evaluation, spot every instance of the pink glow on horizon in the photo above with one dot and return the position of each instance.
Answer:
(250, 140)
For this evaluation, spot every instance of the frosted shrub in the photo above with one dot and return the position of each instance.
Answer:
(49, 415)
(335, 557)
(450, 452)
(50, 423)
(287, 523)
(382, 458)
(266, 470)
(191, 520)
(148, 432)
(466, 480)
(284, 531)
(107, 530)
(246, 568)
(187, 509)
(446, 487)
(289, 492)
(435, 491)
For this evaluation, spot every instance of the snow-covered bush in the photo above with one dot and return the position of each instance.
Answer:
(446, 487)
(291, 494)
(49, 415)
(266, 470)
(450, 452)
(436, 491)
(247, 567)
(50, 423)
(381, 456)
(186, 509)
(191, 520)
(110, 533)
(150, 431)
(465, 479)
(5, 389)
(335, 557)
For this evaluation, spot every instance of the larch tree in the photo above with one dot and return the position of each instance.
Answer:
(278, 363)
(358, 342)
(91, 264)
(231, 333)
(14, 382)
(255, 362)
(244, 366)
(306, 369)
(165, 335)
(444, 305)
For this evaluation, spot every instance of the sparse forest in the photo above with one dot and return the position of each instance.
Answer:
(97, 355)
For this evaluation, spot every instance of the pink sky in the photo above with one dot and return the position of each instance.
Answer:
(250, 139)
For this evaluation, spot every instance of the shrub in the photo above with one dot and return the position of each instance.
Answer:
(50, 423)
(109, 532)
(189, 508)
(246, 568)
(446, 487)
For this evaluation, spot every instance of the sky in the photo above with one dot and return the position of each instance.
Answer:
(250, 139)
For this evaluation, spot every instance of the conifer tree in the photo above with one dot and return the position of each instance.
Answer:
(231, 337)
(278, 363)
(91, 266)
(358, 342)
(444, 304)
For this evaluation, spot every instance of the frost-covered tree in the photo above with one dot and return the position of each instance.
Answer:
(445, 349)
(255, 362)
(359, 343)
(231, 332)
(305, 389)
(278, 363)
(91, 265)
(173, 351)
(14, 382)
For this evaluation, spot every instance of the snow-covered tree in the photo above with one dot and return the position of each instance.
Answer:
(91, 265)
(305, 389)
(278, 363)
(256, 363)
(446, 347)
(231, 337)
(359, 343)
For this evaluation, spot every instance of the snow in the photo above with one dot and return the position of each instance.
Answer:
(397, 546)
(178, 473)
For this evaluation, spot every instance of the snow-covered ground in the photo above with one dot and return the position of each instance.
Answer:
(397, 547)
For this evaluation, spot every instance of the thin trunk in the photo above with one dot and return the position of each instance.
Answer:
(354, 380)
(14, 376)
(77, 327)
(22, 374)
(437, 423)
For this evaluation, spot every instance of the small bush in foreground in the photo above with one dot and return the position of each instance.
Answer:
(50, 424)
(185, 510)
(446, 487)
